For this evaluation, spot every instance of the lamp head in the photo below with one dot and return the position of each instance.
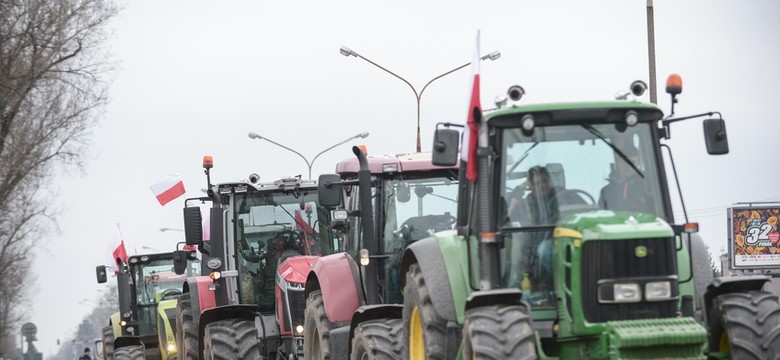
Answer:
(492, 56)
(363, 135)
(347, 51)
(254, 136)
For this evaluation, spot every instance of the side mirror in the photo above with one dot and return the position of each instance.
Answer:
(180, 261)
(445, 147)
(193, 226)
(329, 189)
(402, 192)
(715, 136)
(99, 349)
(100, 271)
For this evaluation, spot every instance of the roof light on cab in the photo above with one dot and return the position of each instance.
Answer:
(674, 84)
(208, 162)
(389, 168)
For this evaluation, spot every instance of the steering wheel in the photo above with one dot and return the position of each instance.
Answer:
(581, 193)
(250, 255)
(169, 292)
(292, 240)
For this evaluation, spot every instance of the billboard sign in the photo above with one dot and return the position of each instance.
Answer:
(754, 237)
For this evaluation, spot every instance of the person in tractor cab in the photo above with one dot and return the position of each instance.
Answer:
(538, 207)
(625, 190)
(86, 355)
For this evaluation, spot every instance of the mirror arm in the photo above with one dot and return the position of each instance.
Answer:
(667, 134)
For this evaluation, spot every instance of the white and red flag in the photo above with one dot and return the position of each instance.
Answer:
(168, 188)
(468, 152)
(117, 248)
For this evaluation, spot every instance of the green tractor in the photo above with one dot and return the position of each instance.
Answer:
(148, 286)
(566, 246)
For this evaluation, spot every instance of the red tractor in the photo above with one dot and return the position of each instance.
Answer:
(352, 297)
(249, 303)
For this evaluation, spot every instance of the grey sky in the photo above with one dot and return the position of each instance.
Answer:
(194, 77)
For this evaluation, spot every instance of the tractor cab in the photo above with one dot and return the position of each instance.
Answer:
(153, 280)
(570, 162)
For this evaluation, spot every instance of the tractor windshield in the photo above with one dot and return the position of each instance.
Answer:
(557, 171)
(154, 280)
(269, 228)
(416, 208)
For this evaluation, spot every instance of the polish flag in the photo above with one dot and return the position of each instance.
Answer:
(469, 147)
(117, 248)
(168, 188)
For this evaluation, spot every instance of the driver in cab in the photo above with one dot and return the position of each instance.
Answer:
(541, 205)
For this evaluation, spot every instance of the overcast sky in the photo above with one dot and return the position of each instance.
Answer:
(194, 77)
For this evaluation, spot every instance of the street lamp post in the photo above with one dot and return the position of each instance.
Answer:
(309, 164)
(348, 52)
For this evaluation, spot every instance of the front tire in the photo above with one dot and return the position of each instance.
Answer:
(498, 332)
(108, 342)
(316, 328)
(134, 352)
(746, 325)
(379, 339)
(424, 335)
(186, 330)
(234, 339)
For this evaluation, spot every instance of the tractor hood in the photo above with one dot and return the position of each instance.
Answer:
(606, 225)
(295, 269)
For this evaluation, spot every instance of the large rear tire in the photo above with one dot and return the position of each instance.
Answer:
(316, 328)
(133, 352)
(424, 334)
(702, 274)
(234, 339)
(108, 342)
(186, 330)
(379, 339)
(498, 332)
(746, 325)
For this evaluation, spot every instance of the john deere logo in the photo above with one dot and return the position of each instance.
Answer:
(640, 251)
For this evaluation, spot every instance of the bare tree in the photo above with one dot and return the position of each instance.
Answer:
(52, 89)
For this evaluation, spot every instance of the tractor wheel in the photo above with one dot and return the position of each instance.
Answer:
(133, 352)
(702, 273)
(108, 342)
(498, 332)
(424, 336)
(746, 325)
(316, 328)
(379, 339)
(233, 339)
(186, 330)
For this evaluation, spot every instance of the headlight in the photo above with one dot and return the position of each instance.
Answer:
(340, 214)
(214, 263)
(627, 292)
(171, 347)
(122, 323)
(658, 290)
(216, 275)
(299, 329)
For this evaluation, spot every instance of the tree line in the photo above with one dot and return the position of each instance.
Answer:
(53, 80)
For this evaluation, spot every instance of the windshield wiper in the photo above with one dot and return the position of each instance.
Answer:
(620, 153)
(297, 224)
(522, 157)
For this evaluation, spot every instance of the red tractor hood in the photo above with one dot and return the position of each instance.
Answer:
(296, 268)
